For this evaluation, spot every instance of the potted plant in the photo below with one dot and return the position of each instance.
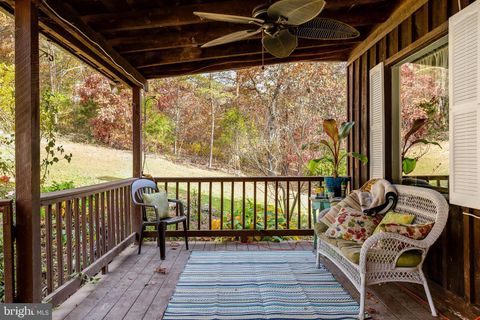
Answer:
(335, 154)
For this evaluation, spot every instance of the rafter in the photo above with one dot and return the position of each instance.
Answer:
(90, 39)
(183, 15)
(246, 48)
(239, 63)
(186, 37)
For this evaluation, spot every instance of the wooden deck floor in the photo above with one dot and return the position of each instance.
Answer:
(133, 289)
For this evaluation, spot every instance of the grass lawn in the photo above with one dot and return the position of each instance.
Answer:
(94, 164)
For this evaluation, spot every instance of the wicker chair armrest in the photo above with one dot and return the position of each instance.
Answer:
(179, 205)
(387, 247)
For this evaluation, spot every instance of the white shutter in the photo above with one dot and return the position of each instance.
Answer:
(464, 119)
(377, 120)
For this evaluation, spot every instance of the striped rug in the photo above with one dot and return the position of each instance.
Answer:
(258, 285)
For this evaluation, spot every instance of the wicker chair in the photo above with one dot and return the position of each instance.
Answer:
(380, 252)
(141, 186)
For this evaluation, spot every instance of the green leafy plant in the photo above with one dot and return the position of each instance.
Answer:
(411, 139)
(335, 154)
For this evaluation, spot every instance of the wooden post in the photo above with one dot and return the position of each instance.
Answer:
(27, 152)
(137, 150)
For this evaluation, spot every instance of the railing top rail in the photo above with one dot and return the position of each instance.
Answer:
(58, 196)
(5, 202)
(442, 177)
(238, 179)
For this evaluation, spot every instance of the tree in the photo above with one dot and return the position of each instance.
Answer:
(112, 124)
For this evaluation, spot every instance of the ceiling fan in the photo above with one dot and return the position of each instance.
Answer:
(281, 24)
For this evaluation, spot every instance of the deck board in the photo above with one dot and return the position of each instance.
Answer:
(133, 290)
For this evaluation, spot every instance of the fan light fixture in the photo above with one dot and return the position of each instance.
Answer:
(281, 24)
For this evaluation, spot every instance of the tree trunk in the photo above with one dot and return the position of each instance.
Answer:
(212, 131)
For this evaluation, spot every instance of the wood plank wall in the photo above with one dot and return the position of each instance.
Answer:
(454, 261)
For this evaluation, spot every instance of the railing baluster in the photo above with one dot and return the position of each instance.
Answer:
(232, 205)
(59, 238)
(299, 204)
(90, 229)
(48, 247)
(77, 234)
(255, 205)
(188, 205)
(265, 206)
(104, 226)
(309, 205)
(210, 205)
(68, 228)
(109, 235)
(243, 206)
(276, 204)
(8, 252)
(118, 222)
(129, 210)
(84, 233)
(112, 228)
(97, 227)
(177, 194)
(121, 214)
(287, 205)
(221, 205)
(199, 206)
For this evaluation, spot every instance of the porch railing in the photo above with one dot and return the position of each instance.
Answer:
(243, 206)
(83, 229)
(437, 182)
(6, 210)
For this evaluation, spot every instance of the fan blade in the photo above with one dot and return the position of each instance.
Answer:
(236, 36)
(227, 18)
(281, 45)
(296, 12)
(325, 29)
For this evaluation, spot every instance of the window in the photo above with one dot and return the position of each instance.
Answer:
(420, 88)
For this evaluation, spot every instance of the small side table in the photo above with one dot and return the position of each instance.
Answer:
(318, 204)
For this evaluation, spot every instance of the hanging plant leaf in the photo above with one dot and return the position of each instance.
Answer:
(408, 165)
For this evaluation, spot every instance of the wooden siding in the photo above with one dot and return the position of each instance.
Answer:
(454, 261)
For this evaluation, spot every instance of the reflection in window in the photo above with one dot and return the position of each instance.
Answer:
(423, 95)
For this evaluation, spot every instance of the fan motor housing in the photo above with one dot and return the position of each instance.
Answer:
(260, 12)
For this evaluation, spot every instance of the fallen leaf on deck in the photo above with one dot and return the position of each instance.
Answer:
(371, 310)
(174, 244)
(161, 270)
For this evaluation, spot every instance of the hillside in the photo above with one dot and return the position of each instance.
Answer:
(95, 164)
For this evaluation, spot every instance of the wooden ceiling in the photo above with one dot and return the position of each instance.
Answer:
(135, 40)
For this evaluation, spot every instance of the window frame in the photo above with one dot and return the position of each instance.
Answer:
(397, 174)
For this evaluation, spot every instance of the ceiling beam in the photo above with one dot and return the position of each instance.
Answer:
(183, 15)
(239, 63)
(174, 56)
(61, 13)
(186, 37)
(404, 10)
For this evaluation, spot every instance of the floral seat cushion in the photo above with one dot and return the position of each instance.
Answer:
(352, 225)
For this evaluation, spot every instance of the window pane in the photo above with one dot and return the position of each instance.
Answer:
(424, 119)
